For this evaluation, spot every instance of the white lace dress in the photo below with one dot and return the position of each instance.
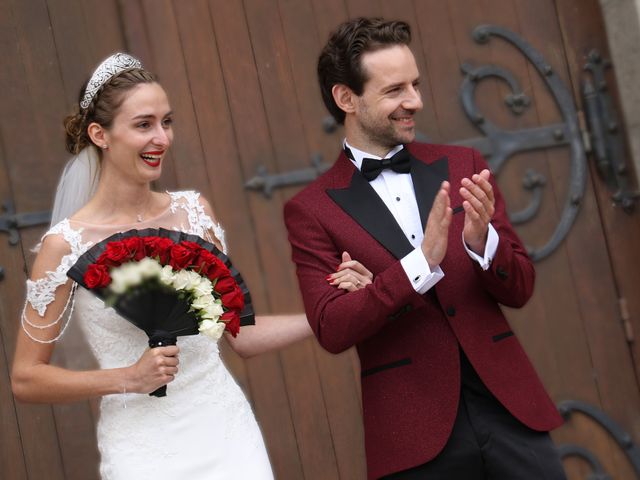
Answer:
(204, 428)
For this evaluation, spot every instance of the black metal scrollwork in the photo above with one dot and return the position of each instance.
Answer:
(268, 182)
(607, 142)
(11, 221)
(622, 438)
(498, 144)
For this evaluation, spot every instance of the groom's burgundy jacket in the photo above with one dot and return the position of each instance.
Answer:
(407, 342)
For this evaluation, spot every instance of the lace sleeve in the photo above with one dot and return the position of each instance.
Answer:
(41, 292)
(218, 233)
(200, 221)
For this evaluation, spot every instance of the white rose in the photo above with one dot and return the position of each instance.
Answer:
(117, 282)
(132, 274)
(193, 281)
(212, 312)
(205, 287)
(181, 280)
(125, 276)
(203, 301)
(211, 329)
(167, 275)
(149, 267)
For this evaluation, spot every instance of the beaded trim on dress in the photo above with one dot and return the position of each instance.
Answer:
(41, 292)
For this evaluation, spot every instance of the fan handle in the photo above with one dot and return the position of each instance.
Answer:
(161, 339)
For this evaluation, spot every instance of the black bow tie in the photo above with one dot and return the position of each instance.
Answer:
(399, 163)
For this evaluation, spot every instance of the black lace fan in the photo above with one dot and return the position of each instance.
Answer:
(159, 311)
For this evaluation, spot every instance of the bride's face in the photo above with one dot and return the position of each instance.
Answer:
(141, 133)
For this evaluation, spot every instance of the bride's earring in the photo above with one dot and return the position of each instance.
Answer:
(104, 147)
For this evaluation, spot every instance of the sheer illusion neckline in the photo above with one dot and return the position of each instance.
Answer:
(120, 226)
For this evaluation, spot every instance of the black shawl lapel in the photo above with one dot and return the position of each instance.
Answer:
(427, 179)
(361, 202)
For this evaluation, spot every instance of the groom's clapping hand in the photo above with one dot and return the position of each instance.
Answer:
(479, 207)
(434, 245)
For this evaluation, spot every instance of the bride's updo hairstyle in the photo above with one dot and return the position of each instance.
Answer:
(103, 106)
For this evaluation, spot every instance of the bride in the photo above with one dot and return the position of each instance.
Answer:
(204, 428)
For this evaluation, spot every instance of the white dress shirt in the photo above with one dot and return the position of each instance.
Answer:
(397, 193)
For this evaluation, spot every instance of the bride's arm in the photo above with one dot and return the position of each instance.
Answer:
(34, 379)
(272, 332)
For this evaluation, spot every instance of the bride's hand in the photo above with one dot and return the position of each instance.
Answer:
(155, 368)
(351, 275)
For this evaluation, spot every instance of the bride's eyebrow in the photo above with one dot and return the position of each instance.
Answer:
(143, 116)
(147, 116)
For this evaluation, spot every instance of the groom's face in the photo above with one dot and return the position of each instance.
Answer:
(385, 111)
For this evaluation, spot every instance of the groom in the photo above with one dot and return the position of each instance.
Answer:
(448, 392)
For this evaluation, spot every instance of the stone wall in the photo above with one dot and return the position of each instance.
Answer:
(622, 21)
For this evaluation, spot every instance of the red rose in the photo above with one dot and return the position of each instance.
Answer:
(204, 260)
(97, 276)
(217, 270)
(151, 246)
(135, 245)
(114, 255)
(225, 284)
(191, 246)
(165, 246)
(181, 256)
(233, 300)
(158, 247)
(232, 320)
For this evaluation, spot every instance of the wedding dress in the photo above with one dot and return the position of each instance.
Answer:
(204, 428)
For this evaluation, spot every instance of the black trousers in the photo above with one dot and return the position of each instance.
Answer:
(488, 443)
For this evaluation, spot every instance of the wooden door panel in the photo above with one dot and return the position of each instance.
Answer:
(23, 132)
(12, 458)
(442, 71)
(363, 8)
(621, 229)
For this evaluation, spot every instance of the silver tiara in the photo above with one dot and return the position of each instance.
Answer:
(112, 66)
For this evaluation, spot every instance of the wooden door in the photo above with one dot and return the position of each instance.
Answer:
(241, 78)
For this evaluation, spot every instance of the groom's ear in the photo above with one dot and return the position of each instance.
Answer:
(344, 97)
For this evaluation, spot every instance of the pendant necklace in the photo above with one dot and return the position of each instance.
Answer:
(140, 216)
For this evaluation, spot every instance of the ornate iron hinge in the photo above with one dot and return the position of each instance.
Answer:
(621, 437)
(11, 222)
(265, 182)
(605, 135)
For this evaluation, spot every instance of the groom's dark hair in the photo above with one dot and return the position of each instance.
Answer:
(340, 59)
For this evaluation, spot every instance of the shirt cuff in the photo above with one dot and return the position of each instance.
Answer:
(418, 271)
(490, 248)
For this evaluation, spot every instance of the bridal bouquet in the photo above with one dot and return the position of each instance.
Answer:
(196, 275)
(166, 283)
